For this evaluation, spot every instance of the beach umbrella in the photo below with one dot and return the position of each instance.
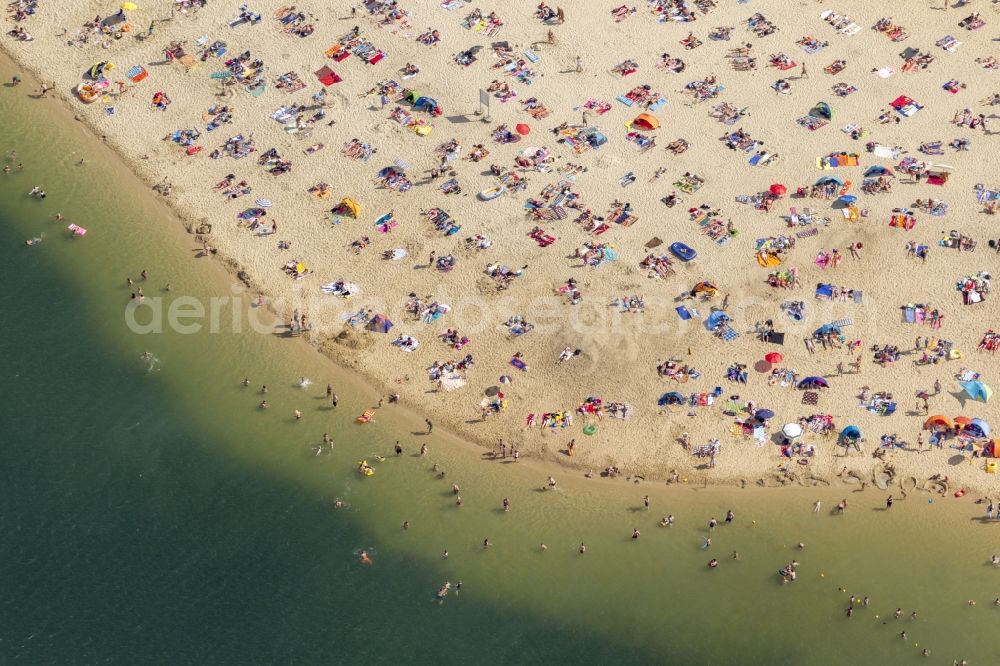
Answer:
(129, 6)
(830, 179)
(792, 430)
(655, 241)
(492, 391)
(402, 164)
(522, 129)
(773, 357)
(764, 414)
(977, 390)
(263, 203)
(851, 432)
(962, 420)
(849, 198)
(504, 379)
(936, 420)
(778, 189)
(810, 382)
(979, 426)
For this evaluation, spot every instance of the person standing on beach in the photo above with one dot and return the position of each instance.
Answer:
(334, 400)
(430, 426)
(579, 65)
(888, 502)
(645, 502)
(805, 73)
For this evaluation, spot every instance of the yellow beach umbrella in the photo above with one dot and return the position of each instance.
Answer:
(129, 6)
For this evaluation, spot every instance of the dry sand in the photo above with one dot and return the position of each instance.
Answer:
(620, 351)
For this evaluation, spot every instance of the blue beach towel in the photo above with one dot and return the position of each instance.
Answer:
(624, 100)
(683, 313)
(532, 56)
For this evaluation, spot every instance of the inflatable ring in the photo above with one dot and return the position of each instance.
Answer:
(126, 27)
(118, 35)
(589, 429)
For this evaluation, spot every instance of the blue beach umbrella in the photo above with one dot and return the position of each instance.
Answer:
(764, 414)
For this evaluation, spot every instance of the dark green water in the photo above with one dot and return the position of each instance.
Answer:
(157, 516)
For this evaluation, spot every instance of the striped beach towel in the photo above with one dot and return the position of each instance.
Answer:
(844, 322)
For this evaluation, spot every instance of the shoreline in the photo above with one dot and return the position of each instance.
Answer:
(542, 446)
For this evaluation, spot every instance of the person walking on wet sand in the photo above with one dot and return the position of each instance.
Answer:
(430, 426)
(888, 502)
(804, 74)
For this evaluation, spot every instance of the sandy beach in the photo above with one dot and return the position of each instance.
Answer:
(621, 315)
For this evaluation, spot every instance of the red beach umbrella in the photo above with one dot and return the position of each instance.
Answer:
(774, 357)
(778, 189)
(522, 129)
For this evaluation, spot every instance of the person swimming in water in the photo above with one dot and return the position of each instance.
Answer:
(712, 563)
(364, 558)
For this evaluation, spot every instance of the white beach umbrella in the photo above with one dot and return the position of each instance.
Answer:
(792, 430)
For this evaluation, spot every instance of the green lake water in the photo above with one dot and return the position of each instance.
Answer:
(155, 515)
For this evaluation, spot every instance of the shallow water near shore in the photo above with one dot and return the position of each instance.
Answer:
(152, 513)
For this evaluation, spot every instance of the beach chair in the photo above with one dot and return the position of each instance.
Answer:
(367, 417)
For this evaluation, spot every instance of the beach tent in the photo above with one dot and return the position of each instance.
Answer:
(715, 319)
(380, 324)
(937, 420)
(813, 382)
(327, 76)
(827, 329)
(978, 427)
(851, 432)
(426, 103)
(672, 398)
(645, 121)
(704, 288)
(412, 96)
(596, 139)
(877, 170)
(830, 179)
(97, 71)
(347, 206)
(822, 110)
(977, 390)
